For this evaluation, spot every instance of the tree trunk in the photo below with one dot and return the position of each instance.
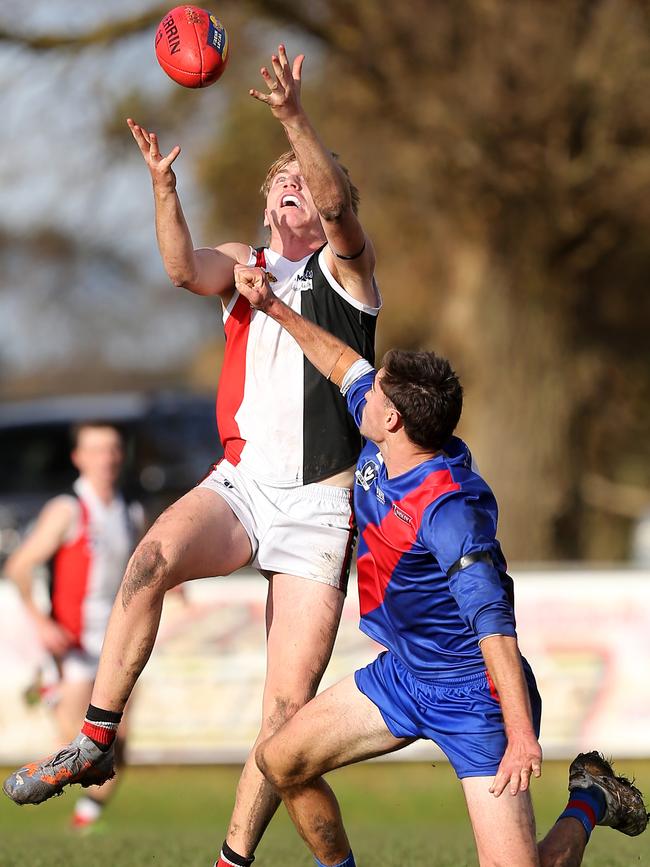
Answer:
(519, 404)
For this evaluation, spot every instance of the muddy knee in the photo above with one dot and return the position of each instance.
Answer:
(281, 766)
(148, 571)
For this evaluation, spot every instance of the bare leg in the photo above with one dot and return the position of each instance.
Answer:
(302, 619)
(196, 537)
(564, 845)
(339, 727)
(71, 707)
(514, 843)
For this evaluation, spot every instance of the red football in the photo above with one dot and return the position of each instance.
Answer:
(192, 46)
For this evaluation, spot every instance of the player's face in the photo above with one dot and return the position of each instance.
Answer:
(289, 203)
(99, 454)
(377, 412)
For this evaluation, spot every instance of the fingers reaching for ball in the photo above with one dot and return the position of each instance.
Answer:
(147, 141)
(283, 69)
(142, 137)
(283, 96)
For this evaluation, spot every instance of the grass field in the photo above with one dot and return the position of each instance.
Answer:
(396, 814)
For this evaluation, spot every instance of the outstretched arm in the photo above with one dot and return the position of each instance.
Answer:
(205, 271)
(327, 353)
(350, 254)
(523, 755)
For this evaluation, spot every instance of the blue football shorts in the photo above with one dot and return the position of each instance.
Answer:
(462, 716)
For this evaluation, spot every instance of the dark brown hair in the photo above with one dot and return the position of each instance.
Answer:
(426, 392)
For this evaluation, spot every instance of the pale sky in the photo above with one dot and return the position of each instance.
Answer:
(55, 170)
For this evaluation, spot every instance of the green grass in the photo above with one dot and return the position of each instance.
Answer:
(395, 814)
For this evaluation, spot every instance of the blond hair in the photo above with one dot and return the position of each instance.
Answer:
(289, 157)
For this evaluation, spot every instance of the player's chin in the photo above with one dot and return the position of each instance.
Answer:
(367, 433)
(292, 217)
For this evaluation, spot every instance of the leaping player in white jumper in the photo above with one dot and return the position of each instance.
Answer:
(280, 499)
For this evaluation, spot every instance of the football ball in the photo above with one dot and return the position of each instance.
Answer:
(192, 46)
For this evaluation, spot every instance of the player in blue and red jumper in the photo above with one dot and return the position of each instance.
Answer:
(434, 591)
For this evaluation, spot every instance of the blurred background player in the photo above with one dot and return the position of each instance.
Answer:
(85, 538)
(280, 500)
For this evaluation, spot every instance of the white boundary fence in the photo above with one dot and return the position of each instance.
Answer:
(586, 632)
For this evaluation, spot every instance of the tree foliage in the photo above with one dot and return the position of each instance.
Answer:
(501, 147)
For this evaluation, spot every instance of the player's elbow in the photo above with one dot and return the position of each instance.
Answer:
(496, 619)
(182, 273)
(14, 568)
(19, 573)
(335, 209)
(182, 279)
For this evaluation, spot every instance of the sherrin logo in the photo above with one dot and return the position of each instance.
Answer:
(171, 31)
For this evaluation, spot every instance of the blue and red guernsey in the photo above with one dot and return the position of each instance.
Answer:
(412, 529)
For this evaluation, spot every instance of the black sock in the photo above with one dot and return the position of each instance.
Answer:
(232, 856)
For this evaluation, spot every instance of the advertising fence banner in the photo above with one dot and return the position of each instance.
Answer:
(586, 633)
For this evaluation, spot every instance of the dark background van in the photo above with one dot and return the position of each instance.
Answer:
(171, 441)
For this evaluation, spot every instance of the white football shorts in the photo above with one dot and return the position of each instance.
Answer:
(307, 531)
(79, 665)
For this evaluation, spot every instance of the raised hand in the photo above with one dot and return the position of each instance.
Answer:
(253, 284)
(158, 165)
(283, 97)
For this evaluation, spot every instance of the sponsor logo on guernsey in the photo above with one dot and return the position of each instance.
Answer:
(402, 515)
(366, 475)
(380, 495)
(304, 282)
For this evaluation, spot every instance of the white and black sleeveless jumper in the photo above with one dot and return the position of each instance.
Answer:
(279, 419)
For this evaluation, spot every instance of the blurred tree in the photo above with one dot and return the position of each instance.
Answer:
(501, 147)
(105, 33)
(62, 289)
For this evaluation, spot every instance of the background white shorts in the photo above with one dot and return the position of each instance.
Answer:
(79, 665)
(308, 531)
